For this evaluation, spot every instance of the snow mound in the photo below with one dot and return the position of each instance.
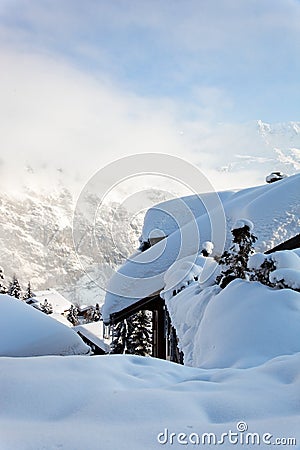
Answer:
(121, 402)
(208, 247)
(256, 261)
(25, 331)
(285, 260)
(179, 276)
(243, 325)
(289, 277)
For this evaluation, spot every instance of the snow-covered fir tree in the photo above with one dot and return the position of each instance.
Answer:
(235, 260)
(14, 288)
(46, 307)
(3, 289)
(73, 315)
(139, 341)
(133, 335)
(119, 337)
(28, 293)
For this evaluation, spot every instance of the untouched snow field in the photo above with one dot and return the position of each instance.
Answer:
(245, 392)
(124, 402)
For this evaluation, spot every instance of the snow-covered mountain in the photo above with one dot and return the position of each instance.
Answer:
(37, 243)
(252, 150)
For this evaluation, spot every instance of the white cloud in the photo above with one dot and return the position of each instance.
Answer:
(61, 112)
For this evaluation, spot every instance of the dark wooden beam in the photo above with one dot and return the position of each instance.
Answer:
(290, 244)
(149, 303)
(159, 332)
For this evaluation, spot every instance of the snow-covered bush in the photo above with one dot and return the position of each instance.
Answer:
(180, 275)
(279, 269)
(235, 261)
(260, 266)
(286, 278)
(207, 248)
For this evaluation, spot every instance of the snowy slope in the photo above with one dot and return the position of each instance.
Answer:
(274, 209)
(120, 402)
(25, 331)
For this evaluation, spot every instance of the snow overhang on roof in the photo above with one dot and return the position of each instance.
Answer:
(273, 208)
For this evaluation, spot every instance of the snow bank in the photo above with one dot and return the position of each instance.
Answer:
(25, 331)
(285, 260)
(181, 274)
(124, 402)
(243, 325)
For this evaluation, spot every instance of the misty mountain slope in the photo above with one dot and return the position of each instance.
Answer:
(257, 148)
(37, 243)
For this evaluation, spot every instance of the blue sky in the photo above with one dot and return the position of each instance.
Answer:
(176, 64)
(246, 51)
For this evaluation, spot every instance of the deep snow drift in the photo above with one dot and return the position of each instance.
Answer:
(25, 331)
(243, 325)
(124, 402)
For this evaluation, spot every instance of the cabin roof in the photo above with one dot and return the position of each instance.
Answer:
(94, 333)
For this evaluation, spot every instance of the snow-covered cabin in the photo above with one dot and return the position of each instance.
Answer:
(186, 224)
(60, 304)
(25, 331)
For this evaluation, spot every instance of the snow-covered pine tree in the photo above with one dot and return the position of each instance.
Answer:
(3, 289)
(96, 313)
(14, 288)
(28, 293)
(46, 307)
(73, 315)
(139, 340)
(235, 260)
(119, 337)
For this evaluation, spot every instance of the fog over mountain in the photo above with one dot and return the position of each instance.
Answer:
(37, 212)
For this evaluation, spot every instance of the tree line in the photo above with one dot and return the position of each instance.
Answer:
(14, 288)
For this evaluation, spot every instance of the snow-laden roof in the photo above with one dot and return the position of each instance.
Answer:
(25, 331)
(94, 332)
(273, 208)
(59, 303)
(163, 219)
